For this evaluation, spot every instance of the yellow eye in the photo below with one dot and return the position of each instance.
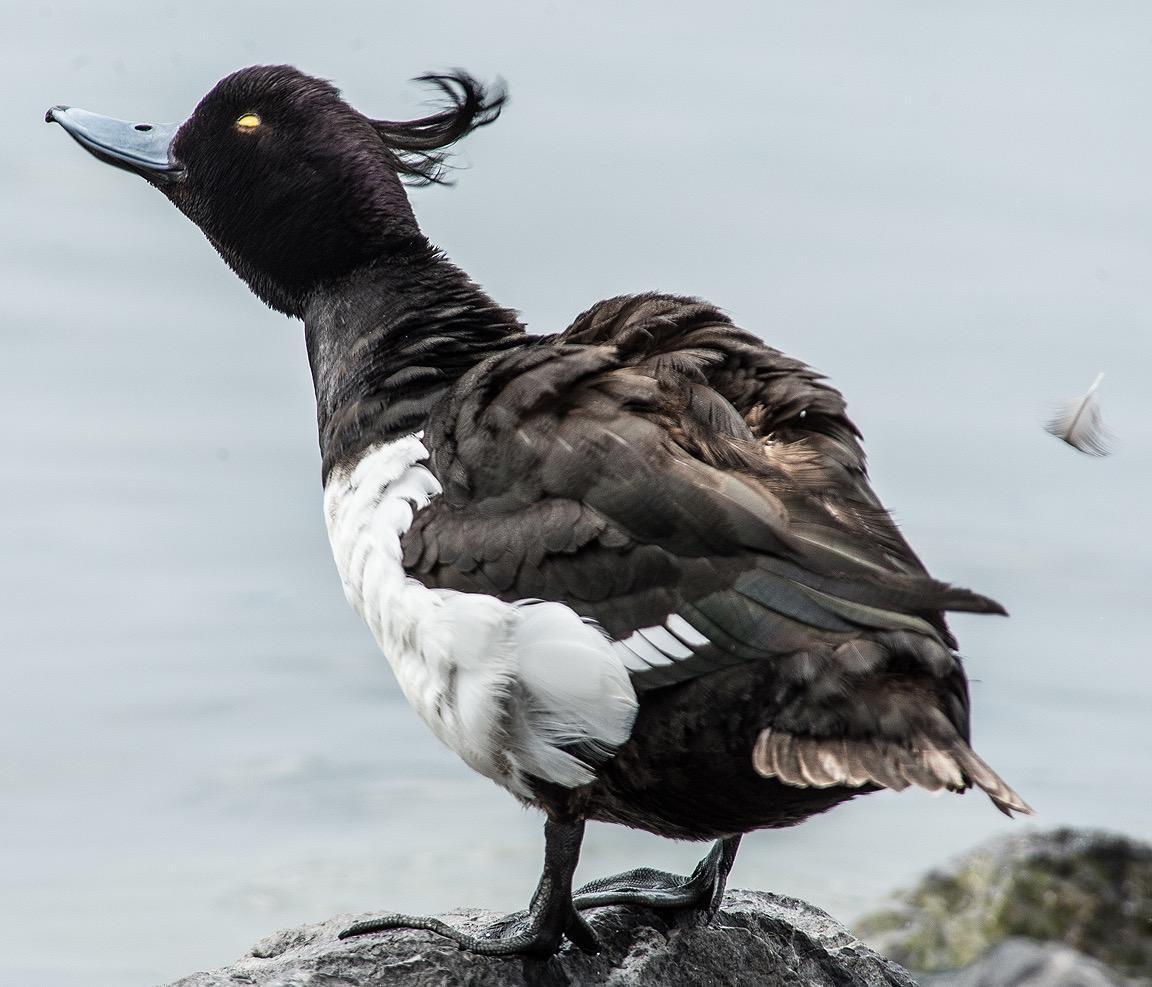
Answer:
(249, 121)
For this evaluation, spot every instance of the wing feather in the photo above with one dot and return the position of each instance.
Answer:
(1080, 423)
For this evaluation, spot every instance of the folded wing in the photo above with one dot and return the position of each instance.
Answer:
(705, 501)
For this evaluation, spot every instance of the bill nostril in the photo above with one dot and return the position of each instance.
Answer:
(143, 126)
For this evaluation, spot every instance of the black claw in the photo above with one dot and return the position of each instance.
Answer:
(580, 934)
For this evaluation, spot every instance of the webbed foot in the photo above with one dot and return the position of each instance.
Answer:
(703, 888)
(536, 932)
(522, 934)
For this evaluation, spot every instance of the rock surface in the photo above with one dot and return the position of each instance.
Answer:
(1024, 963)
(758, 940)
(1087, 890)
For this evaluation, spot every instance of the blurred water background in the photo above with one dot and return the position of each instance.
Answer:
(945, 207)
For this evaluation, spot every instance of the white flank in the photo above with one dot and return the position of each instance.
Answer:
(504, 685)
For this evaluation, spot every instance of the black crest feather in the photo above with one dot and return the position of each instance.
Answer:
(420, 146)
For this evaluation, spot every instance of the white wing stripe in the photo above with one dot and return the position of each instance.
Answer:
(631, 661)
(685, 631)
(658, 637)
(658, 646)
(650, 653)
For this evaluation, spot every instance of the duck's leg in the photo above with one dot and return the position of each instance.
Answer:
(537, 932)
(703, 888)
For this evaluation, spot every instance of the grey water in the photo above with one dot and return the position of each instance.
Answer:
(947, 208)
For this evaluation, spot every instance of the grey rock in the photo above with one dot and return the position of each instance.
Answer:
(1026, 963)
(758, 940)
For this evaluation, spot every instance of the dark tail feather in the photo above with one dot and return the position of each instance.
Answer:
(814, 762)
(1003, 796)
(958, 599)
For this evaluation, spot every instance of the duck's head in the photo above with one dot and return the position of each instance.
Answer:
(291, 185)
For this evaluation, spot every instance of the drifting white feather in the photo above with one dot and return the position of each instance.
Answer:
(1079, 423)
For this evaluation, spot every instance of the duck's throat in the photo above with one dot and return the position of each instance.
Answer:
(385, 344)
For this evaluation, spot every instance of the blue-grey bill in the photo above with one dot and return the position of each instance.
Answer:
(143, 148)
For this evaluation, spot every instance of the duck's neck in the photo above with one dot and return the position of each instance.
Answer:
(388, 340)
